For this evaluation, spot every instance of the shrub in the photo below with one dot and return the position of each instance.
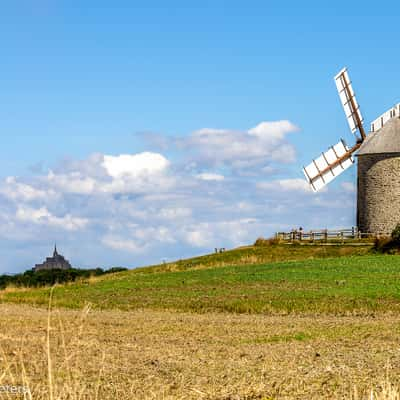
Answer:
(266, 242)
(31, 278)
(383, 244)
(396, 233)
(115, 269)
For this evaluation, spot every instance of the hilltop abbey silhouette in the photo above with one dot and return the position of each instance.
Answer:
(55, 262)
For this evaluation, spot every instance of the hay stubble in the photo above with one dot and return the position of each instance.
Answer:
(146, 354)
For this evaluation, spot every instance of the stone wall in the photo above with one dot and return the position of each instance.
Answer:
(378, 198)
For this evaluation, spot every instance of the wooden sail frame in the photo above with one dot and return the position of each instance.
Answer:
(349, 102)
(338, 158)
(330, 164)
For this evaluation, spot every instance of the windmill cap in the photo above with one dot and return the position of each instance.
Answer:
(384, 140)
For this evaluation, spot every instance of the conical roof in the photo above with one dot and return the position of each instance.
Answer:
(384, 140)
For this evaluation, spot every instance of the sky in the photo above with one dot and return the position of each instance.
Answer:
(136, 132)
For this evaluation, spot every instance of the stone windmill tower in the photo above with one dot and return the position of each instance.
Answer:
(378, 172)
(378, 196)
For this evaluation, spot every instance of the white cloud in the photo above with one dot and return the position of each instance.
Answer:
(42, 216)
(273, 131)
(142, 172)
(174, 212)
(200, 238)
(210, 177)
(136, 238)
(218, 233)
(19, 191)
(135, 165)
(295, 185)
(118, 243)
(261, 145)
(73, 182)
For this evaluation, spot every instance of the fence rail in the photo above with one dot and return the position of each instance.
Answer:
(324, 235)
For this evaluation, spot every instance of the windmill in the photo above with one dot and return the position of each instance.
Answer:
(378, 167)
(339, 157)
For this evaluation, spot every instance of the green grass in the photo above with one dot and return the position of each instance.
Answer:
(264, 254)
(342, 285)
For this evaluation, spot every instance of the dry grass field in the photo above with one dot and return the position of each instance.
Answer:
(145, 354)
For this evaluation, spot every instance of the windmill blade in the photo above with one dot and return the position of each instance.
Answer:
(329, 165)
(349, 102)
(385, 117)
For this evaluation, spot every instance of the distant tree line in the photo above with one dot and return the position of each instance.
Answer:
(44, 277)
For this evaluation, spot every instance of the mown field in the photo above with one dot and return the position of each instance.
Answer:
(146, 354)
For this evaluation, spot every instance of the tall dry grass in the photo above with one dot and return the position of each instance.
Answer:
(64, 371)
(386, 391)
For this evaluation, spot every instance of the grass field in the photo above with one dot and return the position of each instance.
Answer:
(264, 254)
(326, 326)
(352, 285)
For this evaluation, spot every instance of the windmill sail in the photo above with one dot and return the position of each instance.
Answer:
(385, 117)
(339, 157)
(329, 165)
(349, 102)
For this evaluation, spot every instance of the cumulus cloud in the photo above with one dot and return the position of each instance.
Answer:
(273, 131)
(135, 165)
(261, 145)
(73, 182)
(124, 173)
(20, 191)
(42, 216)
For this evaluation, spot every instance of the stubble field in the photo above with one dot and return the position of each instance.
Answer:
(147, 354)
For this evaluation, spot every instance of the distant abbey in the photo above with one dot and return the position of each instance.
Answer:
(55, 262)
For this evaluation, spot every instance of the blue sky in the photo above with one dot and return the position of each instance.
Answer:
(124, 78)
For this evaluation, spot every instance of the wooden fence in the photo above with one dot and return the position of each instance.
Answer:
(324, 235)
